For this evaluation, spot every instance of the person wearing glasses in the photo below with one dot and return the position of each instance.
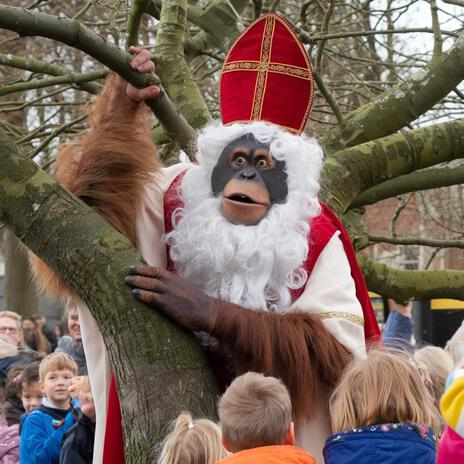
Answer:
(12, 350)
(10, 325)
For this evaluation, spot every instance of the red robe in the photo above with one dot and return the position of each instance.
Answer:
(323, 227)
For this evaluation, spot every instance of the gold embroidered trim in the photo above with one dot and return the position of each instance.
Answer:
(246, 121)
(342, 315)
(293, 71)
(263, 68)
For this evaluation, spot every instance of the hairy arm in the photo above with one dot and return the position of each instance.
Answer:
(295, 347)
(109, 165)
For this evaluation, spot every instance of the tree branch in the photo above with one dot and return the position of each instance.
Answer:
(37, 66)
(351, 171)
(437, 38)
(71, 78)
(426, 179)
(328, 97)
(454, 2)
(401, 105)
(55, 134)
(324, 29)
(84, 9)
(76, 35)
(172, 67)
(307, 38)
(219, 21)
(407, 285)
(428, 242)
(139, 7)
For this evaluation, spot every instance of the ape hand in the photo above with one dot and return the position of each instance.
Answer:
(121, 92)
(142, 63)
(178, 298)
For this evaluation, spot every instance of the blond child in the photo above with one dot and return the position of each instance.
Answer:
(255, 415)
(192, 442)
(436, 363)
(44, 427)
(382, 412)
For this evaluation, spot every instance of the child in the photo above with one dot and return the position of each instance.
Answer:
(437, 364)
(255, 414)
(192, 442)
(13, 406)
(383, 413)
(451, 450)
(31, 393)
(9, 442)
(44, 428)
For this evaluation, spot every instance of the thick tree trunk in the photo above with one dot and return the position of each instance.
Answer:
(159, 368)
(20, 293)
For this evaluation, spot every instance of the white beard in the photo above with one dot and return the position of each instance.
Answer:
(252, 266)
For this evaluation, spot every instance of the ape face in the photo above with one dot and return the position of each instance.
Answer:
(249, 180)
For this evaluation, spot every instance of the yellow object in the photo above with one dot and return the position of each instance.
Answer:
(452, 402)
(446, 303)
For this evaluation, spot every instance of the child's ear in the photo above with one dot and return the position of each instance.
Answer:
(41, 386)
(226, 445)
(290, 437)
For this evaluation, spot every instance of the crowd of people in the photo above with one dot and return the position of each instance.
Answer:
(47, 413)
(401, 403)
(397, 405)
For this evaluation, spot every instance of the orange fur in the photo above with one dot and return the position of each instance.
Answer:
(107, 167)
(294, 347)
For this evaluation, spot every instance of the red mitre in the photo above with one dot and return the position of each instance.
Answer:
(267, 76)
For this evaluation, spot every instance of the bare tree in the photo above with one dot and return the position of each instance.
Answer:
(387, 113)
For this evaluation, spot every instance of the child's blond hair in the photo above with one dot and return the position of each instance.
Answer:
(255, 411)
(382, 388)
(56, 362)
(438, 364)
(192, 442)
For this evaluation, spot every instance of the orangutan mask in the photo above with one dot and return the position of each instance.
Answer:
(249, 181)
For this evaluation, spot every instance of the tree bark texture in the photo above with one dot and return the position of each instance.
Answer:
(435, 177)
(159, 368)
(351, 171)
(172, 66)
(405, 285)
(20, 292)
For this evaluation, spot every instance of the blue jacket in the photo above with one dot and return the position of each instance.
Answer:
(77, 446)
(382, 444)
(41, 435)
(398, 331)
